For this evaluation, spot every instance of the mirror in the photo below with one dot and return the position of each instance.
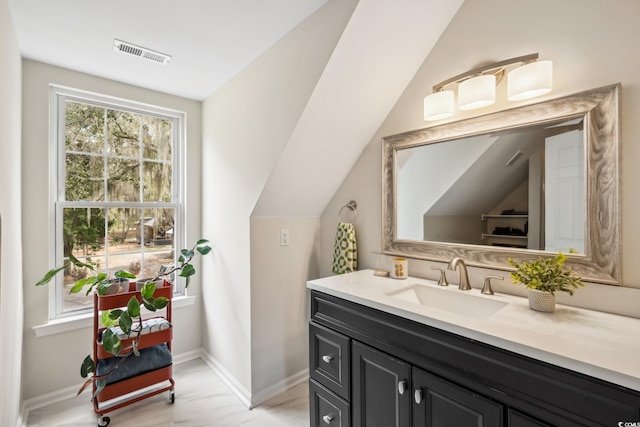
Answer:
(519, 183)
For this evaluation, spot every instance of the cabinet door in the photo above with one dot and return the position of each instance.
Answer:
(440, 403)
(381, 389)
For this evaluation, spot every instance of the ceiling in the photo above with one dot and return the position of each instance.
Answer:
(210, 41)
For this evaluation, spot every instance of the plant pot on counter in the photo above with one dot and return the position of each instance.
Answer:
(542, 301)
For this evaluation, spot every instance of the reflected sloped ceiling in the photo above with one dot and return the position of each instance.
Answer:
(490, 180)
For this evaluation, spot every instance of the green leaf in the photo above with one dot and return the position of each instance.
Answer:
(114, 314)
(180, 259)
(121, 274)
(148, 305)
(110, 342)
(148, 289)
(103, 286)
(160, 302)
(79, 263)
(187, 253)
(116, 346)
(77, 287)
(105, 319)
(133, 307)
(201, 242)
(187, 270)
(87, 367)
(203, 249)
(50, 275)
(125, 322)
(107, 340)
(186, 285)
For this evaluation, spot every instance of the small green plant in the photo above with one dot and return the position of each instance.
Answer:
(546, 274)
(127, 317)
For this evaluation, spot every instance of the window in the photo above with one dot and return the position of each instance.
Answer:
(118, 203)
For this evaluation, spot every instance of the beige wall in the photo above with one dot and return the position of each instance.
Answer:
(588, 41)
(69, 349)
(246, 124)
(279, 298)
(10, 221)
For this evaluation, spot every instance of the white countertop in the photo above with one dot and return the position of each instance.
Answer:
(602, 345)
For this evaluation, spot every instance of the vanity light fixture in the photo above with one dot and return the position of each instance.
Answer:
(526, 78)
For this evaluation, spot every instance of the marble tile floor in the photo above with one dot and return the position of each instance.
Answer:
(202, 400)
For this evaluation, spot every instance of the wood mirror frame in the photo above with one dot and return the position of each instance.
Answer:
(600, 109)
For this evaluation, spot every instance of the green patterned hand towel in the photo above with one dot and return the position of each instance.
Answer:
(345, 252)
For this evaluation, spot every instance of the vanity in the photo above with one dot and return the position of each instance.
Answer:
(386, 352)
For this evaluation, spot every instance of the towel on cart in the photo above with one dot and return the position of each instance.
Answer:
(151, 358)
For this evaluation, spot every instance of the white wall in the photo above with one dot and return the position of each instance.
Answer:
(69, 349)
(11, 295)
(279, 298)
(588, 41)
(434, 178)
(246, 124)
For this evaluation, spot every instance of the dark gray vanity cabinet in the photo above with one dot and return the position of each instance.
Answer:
(371, 368)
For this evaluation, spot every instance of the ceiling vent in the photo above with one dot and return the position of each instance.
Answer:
(148, 54)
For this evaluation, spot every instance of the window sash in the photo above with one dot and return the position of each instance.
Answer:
(59, 98)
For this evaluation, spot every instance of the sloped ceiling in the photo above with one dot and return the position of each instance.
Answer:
(210, 40)
(381, 49)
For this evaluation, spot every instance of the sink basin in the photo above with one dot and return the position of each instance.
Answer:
(454, 302)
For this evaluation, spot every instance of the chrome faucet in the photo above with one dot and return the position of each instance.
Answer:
(464, 277)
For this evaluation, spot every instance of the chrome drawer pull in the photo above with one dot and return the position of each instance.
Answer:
(327, 419)
(327, 358)
(417, 396)
(402, 385)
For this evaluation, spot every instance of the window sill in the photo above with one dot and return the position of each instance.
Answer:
(85, 320)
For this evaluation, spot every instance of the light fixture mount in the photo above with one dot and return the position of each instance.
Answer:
(497, 69)
(526, 78)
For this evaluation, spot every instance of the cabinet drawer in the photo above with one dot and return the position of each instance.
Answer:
(327, 409)
(329, 359)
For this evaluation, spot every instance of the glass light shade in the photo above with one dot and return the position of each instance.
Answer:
(438, 105)
(477, 92)
(530, 80)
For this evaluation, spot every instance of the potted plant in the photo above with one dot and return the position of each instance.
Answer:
(127, 317)
(544, 277)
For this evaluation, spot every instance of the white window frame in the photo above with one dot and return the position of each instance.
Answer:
(58, 96)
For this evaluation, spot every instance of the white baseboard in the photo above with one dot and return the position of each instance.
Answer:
(71, 392)
(229, 380)
(252, 400)
(279, 387)
(247, 399)
(187, 357)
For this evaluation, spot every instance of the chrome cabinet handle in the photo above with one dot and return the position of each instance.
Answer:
(327, 358)
(417, 396)
(327, 419)
(402, 385)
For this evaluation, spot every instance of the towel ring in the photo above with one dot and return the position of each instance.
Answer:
(352, 205)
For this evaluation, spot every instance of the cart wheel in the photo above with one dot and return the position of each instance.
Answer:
(172, 396)
(103, 421)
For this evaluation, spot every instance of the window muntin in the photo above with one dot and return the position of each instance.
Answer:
(118, 204)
